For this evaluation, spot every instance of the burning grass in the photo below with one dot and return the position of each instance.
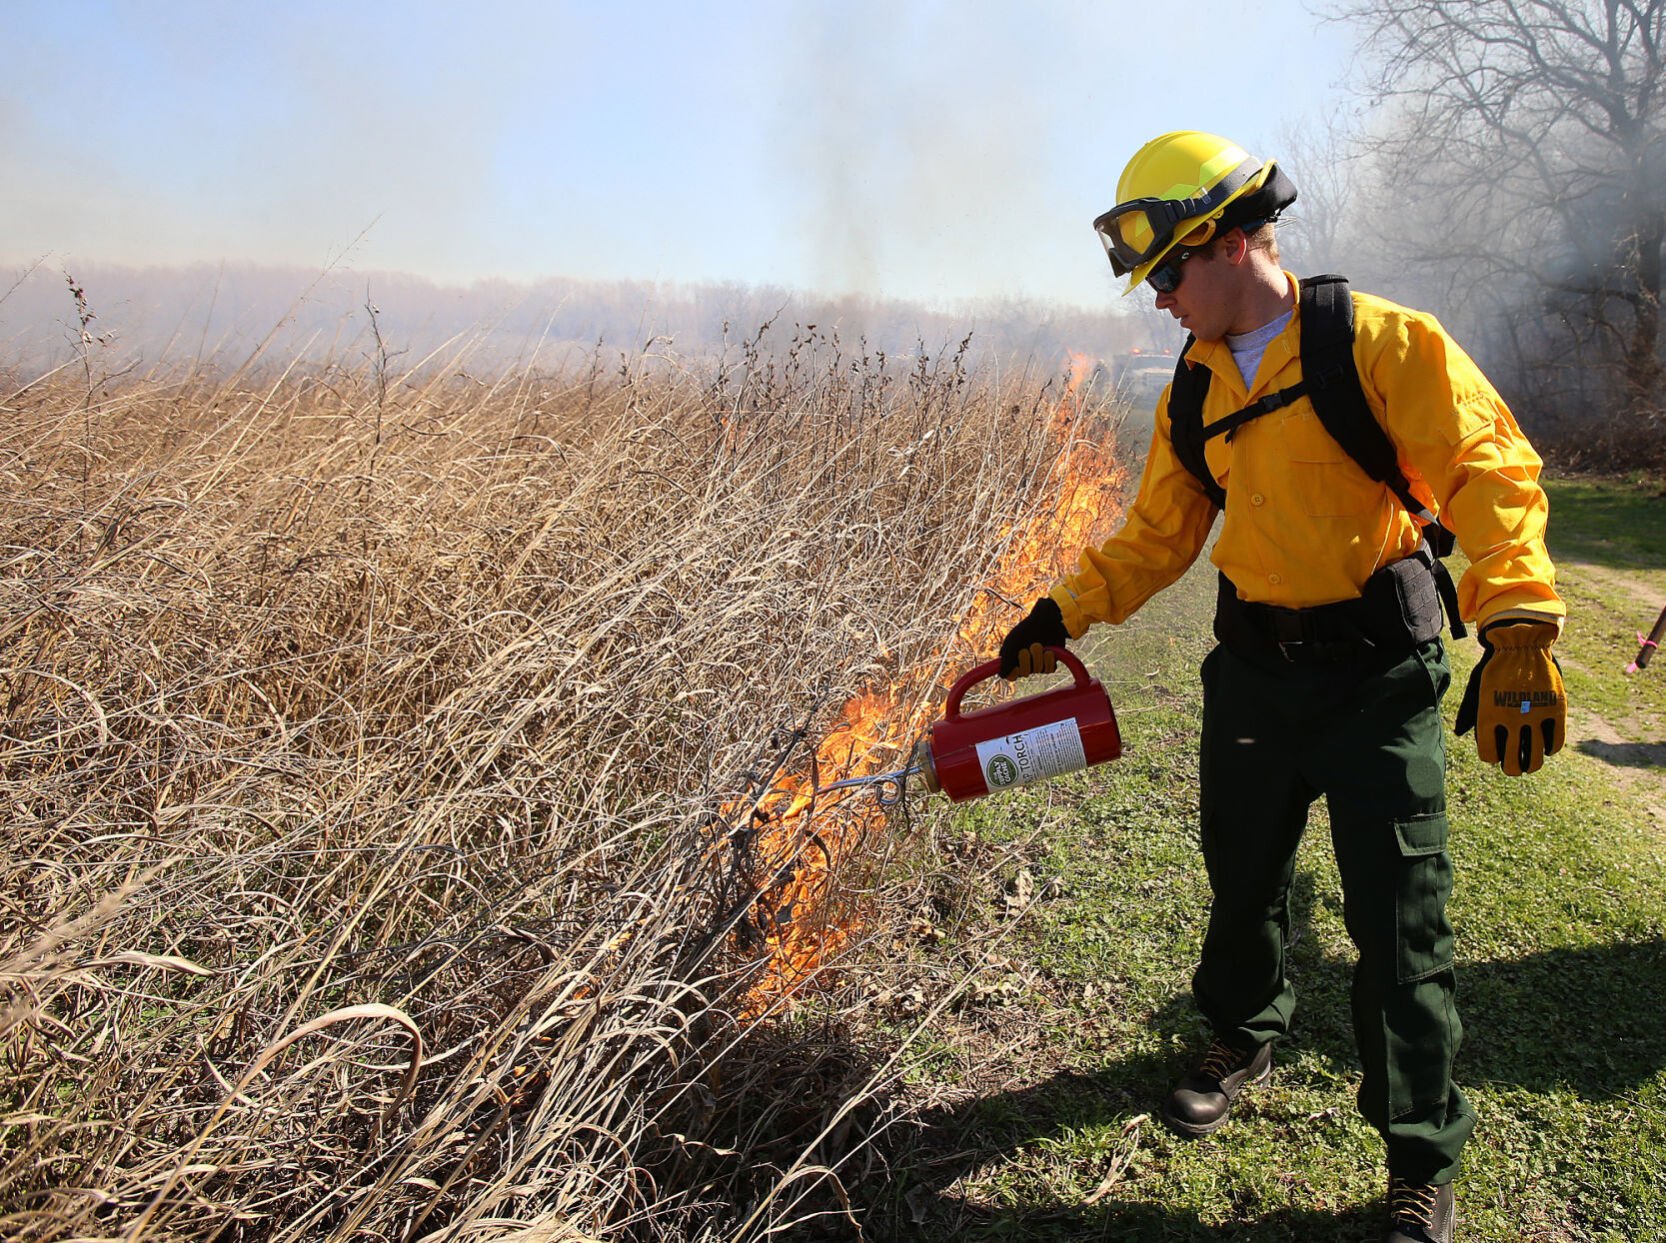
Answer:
(408, 776)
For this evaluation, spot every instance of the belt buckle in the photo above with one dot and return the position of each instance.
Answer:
(1288, 631)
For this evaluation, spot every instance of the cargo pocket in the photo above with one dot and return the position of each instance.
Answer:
(1423, 933)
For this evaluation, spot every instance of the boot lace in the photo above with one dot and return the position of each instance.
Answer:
(1412, 1204)
(1219, 1060)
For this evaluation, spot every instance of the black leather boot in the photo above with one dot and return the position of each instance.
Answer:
(1421, 1212)
(1202, 1101)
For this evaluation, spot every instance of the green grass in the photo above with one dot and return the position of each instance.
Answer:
(1040, 1100)
(1615, 522)
(1610, 541)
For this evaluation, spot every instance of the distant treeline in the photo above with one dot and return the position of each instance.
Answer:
(1582, 378)
(147, 318)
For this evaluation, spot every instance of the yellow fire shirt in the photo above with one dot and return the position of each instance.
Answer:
(1304, 525)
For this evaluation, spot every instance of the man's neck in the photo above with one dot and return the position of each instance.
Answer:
(1265, 298)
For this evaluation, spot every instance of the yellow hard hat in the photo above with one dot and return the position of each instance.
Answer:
(1178, 189)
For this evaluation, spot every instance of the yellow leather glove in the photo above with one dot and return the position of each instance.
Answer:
(1515, 701)
(1024, 650)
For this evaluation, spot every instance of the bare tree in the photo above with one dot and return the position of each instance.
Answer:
(1527, 141)
(1317, 156)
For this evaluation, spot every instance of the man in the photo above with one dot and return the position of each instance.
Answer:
(1329, 670)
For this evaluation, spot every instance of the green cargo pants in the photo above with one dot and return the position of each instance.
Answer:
(1276, 735)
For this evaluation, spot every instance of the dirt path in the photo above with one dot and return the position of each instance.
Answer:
(1634, 748)
(1638, 768)
(1647, 591)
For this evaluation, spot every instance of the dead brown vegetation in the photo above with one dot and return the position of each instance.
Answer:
(367, 735)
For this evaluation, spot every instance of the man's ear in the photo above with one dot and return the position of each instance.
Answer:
(1234, 244)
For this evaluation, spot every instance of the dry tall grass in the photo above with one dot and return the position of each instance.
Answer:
(372, 750)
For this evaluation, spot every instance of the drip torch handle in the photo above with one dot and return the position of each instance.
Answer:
(992, 668)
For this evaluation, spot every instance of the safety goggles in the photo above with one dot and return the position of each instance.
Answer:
(1136, 231)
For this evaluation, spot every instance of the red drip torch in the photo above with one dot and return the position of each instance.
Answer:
(971, 754)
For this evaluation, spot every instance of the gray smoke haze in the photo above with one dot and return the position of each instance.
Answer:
(939, 173)
(168, 318)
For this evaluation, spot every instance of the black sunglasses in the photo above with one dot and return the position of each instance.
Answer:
(1165, 277)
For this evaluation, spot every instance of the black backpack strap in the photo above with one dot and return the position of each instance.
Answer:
(1186, 430)
(1332, 377)
(1327, 311)
(1186, 393)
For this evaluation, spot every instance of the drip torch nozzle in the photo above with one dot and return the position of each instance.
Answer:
(898, 780)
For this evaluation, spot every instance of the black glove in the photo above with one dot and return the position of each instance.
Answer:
(1515, 701)
(1024, 650)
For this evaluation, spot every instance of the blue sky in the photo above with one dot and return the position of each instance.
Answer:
(933, 151)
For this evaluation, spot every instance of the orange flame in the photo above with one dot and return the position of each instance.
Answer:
(873, 733)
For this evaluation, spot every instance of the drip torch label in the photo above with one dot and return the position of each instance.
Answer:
(1032, 755)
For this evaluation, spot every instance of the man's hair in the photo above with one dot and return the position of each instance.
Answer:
(1262, 237)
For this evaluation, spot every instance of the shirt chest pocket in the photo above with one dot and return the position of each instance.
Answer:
(1320, 476)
